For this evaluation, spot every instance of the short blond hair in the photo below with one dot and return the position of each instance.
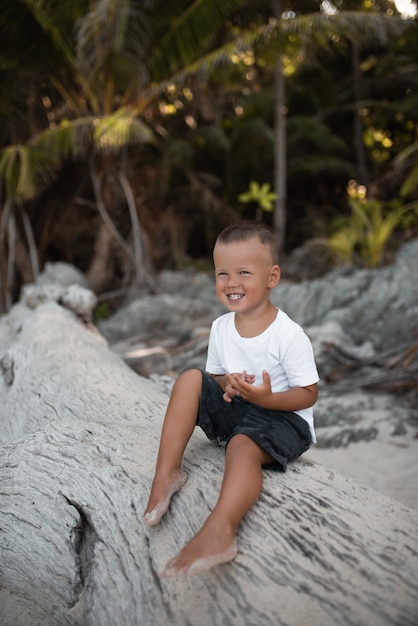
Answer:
(245, 230)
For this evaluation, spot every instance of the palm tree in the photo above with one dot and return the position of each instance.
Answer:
(98, 91)
(106, 66)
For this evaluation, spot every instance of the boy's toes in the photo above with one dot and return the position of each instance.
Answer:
(174, 568)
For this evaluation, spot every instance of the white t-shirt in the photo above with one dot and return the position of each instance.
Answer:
(283, 350)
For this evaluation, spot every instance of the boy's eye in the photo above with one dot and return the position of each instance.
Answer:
(244, 272)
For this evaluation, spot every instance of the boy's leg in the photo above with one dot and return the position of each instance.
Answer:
(179, 423)
(241, 486)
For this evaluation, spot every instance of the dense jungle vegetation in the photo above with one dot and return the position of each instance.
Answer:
(134, 130)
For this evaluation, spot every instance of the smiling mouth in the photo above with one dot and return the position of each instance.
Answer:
(235, 296)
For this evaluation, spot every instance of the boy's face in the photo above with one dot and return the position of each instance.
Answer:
(245, 272)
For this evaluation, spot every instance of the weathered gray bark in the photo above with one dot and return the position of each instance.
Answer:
(80, 434)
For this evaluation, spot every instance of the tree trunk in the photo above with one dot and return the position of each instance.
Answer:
(80, 435)
(280, 157)
(358, 125)
(99, 269)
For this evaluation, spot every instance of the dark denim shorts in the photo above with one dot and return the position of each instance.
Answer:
(284, 435)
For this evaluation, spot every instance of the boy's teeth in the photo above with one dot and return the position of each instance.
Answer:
(235, 296)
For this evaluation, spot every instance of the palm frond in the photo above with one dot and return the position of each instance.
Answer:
(315, 28)
(23, 172)
(342, 244)
(410, 183)
(45, 21)
(113, 36)
(112, 132)
(407, 159)
(27, 169)
(356, 26)
(188, 34)
(75, 138)
(101, 31)
(58, 39)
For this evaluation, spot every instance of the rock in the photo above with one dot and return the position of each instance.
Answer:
(62, 274)
(157, 317)
(73, 296)
(79, 432)
(362, 409)
(369, 309)
(375, 305)
(306, 262)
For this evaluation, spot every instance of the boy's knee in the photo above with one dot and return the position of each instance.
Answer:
(240, 441)
(244, 445)
(192, 376)
(193, 372)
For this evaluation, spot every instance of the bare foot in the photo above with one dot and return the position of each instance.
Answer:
(160, 496)
(202, 553)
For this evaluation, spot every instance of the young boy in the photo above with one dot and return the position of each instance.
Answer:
(256, 395)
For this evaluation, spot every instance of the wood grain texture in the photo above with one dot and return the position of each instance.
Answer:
(79, 435)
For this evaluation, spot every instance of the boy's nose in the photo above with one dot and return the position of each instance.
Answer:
(232, 281)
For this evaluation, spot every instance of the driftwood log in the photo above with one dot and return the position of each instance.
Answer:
(79, 433)
(395, 370)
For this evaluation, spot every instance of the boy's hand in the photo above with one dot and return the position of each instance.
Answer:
(231, 388)
(240, 385)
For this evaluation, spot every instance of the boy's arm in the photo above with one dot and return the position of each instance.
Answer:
(221, 379)
(293, 399)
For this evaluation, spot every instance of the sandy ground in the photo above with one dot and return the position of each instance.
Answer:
(390, 466)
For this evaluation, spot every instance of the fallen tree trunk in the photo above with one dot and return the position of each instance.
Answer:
(80, 435)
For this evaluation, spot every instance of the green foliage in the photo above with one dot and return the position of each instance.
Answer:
(23, 172)
(86, 81)
(366, 233)
(27, 169)
(261, 196)
(408, 159)
(101, 312)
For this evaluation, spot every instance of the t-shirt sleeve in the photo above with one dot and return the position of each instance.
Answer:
(299, 362)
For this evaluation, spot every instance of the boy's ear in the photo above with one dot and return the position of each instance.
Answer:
(274, 276)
